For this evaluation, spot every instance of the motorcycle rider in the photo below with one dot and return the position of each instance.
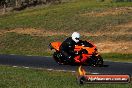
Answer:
(67, 47)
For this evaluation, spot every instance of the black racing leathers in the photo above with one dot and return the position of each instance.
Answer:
(67, 49)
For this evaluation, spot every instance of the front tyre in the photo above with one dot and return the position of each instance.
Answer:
(96, 61)
(100, 61)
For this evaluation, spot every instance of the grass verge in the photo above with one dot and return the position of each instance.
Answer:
(39, 78)
(69, 17)
(117, 57)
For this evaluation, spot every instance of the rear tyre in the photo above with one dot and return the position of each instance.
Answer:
(57, 57)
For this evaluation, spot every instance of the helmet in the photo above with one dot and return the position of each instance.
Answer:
(75, 36)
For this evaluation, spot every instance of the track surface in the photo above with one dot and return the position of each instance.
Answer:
(49, 63)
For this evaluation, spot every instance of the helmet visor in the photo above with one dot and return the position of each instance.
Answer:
(77, 38)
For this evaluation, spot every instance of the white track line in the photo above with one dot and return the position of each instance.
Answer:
(25, 67)
(51, 69)
(14, 66)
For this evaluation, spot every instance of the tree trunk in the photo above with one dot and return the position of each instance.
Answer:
(17, 3)
(4, 7)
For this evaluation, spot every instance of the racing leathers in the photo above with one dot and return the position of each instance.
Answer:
(67, 49)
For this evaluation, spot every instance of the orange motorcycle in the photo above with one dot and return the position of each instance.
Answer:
(88, 54)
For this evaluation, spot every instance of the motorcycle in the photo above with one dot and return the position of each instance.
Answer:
(88, 54)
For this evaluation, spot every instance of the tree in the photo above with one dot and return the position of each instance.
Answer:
(4, 5)
(17, 3)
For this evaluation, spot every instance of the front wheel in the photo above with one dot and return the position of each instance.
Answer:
(99, 62)
(96, 61)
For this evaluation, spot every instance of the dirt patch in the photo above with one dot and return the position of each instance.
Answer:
(113, 11)
(33, 32)
(115, 47)
(43, 32)
(106, 34)
(126, 25)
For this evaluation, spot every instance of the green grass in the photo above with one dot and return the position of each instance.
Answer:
(66, 17)
(117, 57)
(39, 78)
(13, 43)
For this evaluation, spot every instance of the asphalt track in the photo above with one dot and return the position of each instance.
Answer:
(48, 63)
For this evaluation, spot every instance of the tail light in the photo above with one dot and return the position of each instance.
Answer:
(50, 46)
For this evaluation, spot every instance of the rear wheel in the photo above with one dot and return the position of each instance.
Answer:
(57, 57)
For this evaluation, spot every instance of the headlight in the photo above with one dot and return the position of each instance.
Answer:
(95, 51)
